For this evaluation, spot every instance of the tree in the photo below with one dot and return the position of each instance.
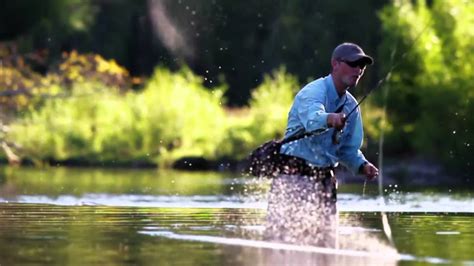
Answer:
(430, 91)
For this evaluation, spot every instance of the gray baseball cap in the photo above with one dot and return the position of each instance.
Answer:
(351, 52)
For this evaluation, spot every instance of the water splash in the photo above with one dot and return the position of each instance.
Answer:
(302, 210)
(303, 213)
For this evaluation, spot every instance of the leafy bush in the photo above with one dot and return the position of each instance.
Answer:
(77, 68)
(180, 116)
(173, 116)
(270, 103)
(267, 116)
(22, 87)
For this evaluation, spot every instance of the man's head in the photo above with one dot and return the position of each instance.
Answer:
(348, 64)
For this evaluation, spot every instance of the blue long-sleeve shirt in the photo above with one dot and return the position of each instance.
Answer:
(309, 113)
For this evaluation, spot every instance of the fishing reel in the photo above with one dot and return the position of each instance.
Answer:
(336, 135)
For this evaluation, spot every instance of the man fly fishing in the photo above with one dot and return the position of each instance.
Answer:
(302, 201)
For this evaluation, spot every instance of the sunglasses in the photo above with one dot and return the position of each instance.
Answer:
(358, 63)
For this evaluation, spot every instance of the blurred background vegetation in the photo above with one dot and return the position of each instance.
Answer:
(146, 83)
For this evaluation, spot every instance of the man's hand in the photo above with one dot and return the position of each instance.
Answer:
(336, 120)
(370, 171)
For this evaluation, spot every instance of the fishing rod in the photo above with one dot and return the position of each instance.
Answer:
(337, 133)
(379, 83)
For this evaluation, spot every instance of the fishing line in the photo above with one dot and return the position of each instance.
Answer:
(385, 224)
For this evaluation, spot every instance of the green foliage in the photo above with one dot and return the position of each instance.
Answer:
(270, 104)
(267, 116)
(190, 118)
(173, 116)
(68, 127)
(430, 96)
(375, 121)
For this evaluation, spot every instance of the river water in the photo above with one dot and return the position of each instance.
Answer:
(123, 216)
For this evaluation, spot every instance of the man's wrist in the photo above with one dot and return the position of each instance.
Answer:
(361, 167)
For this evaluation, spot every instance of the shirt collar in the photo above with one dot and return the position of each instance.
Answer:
(332, 93)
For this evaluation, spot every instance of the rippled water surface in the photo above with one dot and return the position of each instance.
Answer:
(92, 216)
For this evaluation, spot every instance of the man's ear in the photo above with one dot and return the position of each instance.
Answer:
(334, 64)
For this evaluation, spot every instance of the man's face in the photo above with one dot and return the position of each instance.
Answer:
(349, 73)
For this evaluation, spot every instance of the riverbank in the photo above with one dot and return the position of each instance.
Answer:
(410, 171)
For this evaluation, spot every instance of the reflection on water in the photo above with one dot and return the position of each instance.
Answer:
(37, 233)
(273, 250)
(414, 202)
(64, 216)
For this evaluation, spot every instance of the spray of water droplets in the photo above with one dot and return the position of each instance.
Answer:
(302, 211)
